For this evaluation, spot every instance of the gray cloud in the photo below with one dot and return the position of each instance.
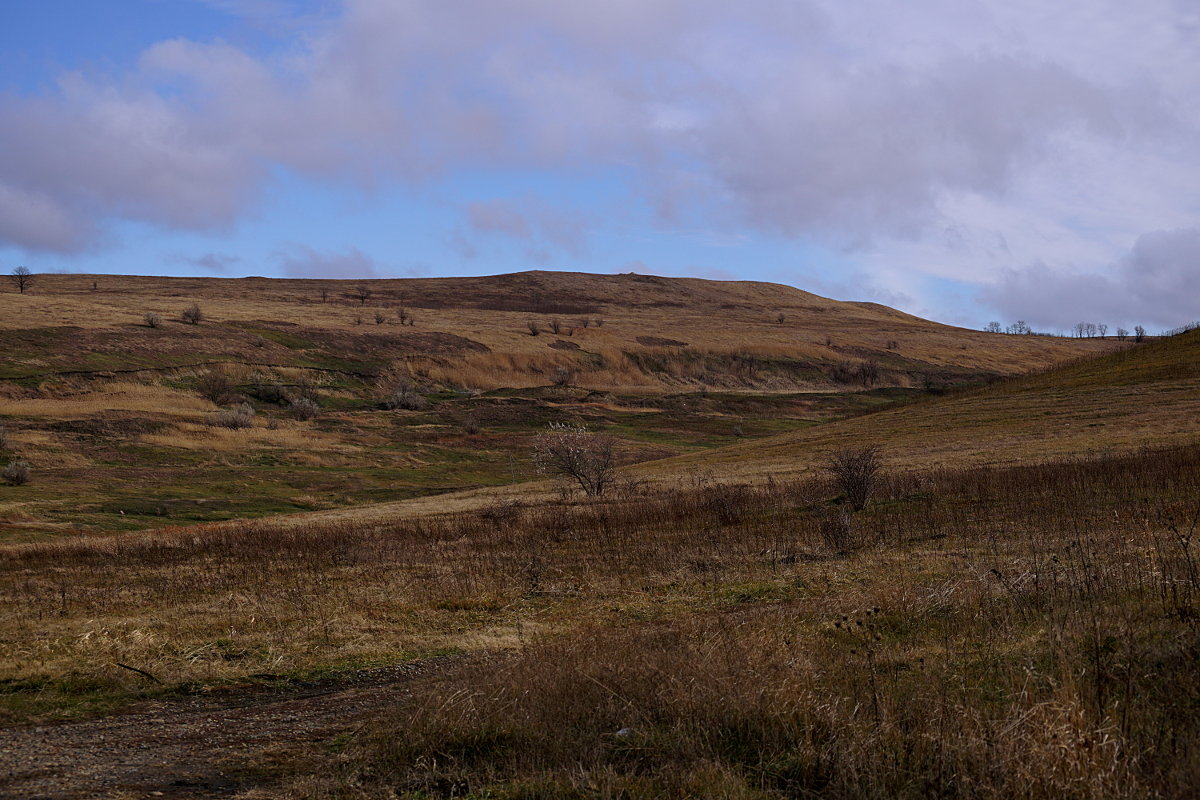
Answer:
(528, 219)
(1156, 283)
(210, 262)
(305, 262)
(1061, 130)
(498, 216)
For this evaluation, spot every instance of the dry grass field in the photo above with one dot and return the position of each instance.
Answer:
(111, 413)
(1147, 396)
(1012, 614)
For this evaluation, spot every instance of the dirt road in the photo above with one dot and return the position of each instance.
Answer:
(196, 748)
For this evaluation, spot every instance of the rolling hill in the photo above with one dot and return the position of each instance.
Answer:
(1145, 396)
(123, 430)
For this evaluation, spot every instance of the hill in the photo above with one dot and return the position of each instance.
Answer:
(615, 332)
(1146, 396)
(122, 421)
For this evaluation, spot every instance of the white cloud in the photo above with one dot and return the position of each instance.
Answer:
(962, 140)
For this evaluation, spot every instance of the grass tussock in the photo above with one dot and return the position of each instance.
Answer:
(1044, 648)
(992, 632)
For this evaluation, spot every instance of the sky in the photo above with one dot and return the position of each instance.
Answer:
(962, 160)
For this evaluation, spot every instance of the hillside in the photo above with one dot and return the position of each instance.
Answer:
(616, 332)
(123, 430)
(1145, 396)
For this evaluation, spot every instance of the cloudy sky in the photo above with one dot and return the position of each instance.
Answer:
(958, 159)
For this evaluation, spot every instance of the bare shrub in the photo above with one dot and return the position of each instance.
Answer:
(192, 315)
(843, 372)
(555, 326)
(576, 454)
(562, 377)
(216, 387)
(599, 323)
(402, 315)
(855, 472)
(235, 418)
(404, 395)
(151, 319)
(304, 409)
(470, 425)
(380, 318)
(16, 473)
(780, 319)
(1139, 334)
(362, 293)
(358, 320)
(837, 531)
(534, 330)
(583, 323)
(4, 441)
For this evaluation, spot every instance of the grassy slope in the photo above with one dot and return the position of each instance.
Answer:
(1145, 395)
(472, 332)
(106, 410)
(977, 632)
(1148, 395)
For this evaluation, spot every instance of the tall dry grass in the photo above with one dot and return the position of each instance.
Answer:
(993, 632)
(1034, 635)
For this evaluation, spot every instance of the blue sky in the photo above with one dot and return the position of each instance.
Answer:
(965, 161)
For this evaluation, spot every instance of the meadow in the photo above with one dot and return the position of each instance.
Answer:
(984, 632)
(1013, 613)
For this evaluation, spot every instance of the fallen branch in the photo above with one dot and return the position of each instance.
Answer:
(141, 672)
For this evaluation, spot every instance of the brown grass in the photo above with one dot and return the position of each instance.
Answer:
(1035, 634)
(1003, 633)
(1114, 403)
(712, 317)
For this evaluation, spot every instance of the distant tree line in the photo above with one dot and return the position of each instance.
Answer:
(1081, 330)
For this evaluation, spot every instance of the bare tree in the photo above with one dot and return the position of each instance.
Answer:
(22, 278)
(555, 326)
(868, 373)
(993, 327)
(324, 294)
(380, 317)
(363, 293)
(1122, 334)
(192, 315)
(1139, 333)
(402, 313)
(1103, 330)
(855, 471)
(575, 453)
